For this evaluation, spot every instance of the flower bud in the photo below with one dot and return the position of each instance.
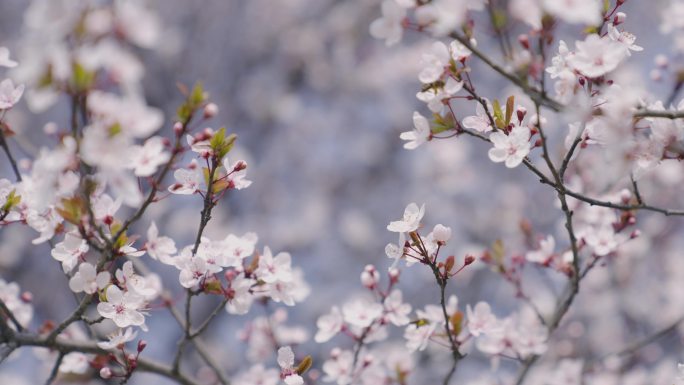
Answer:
(619, 18)
(625, 195)
(524, 41)
(370, 277)
(105, 373)
(661, 61)
(441, 233)
(394, 275)
(468, 260)
(27, 297)
(240, 165)
(177, 128)
(210, 110)
(142, 344)
(132, 361)
(50, 128)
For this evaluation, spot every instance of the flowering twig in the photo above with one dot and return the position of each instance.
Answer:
(65, 346)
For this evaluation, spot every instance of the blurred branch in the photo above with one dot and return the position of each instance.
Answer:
(659, 114)
(65, 346)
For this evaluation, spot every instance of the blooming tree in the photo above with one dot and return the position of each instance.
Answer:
(597, 143)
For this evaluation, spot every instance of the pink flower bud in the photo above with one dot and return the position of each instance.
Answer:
(210, 110)
(370, 277)
(661, 61)
(524, 41)
(394, 275)
(468, 260)
(142, 344)
(132, 361)
(625, 195)
(619, 18)
(27, 297)
(50, 128)
(240, 165)
(178, 128)
(106, 373)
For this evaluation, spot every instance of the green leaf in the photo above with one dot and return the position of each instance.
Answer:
(499, 19)
(510, 104)
(197, 96)
(12, 200)
(498, 114)
(498, 252)
(82, 78)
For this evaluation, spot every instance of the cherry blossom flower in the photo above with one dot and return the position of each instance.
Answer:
(602, 240)
(545, 251)
(444, 16)
(389, 26)
(132, 115)
(104, 208)
(459, 51)
(396, 311)
(437, 96)
(560, 62)
(480, 319)
(597, 56)
(237, 173)
(147, 287)
(575, 11)
(75, 362)
(88, 280)
(512, 148)
(361, 312)
(329, 325)
(480, 121)
(568, 372)
(118, 339)
(201, 142)
(286, 362)
(240, 294)
(193, 270)
(9, 95)
(70, 251)
(420, 134)
(339, 367)
(528, 11)
(124, 308)
(396, 252)
(160, 248)
(188, 181)
(274, 269)
(147, 158)
(441, 233)
(236, 249)
(5, 60)
(434, 62)
(625, 38)
(410, 221)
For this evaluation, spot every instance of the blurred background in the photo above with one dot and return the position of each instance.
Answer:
(318, 106)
